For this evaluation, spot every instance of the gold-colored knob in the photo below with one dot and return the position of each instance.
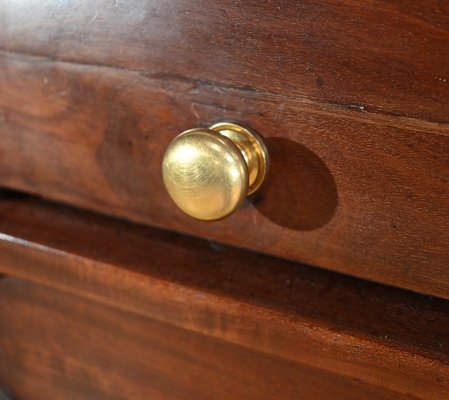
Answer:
(208, 172)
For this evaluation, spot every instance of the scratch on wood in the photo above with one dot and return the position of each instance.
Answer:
(194, 111)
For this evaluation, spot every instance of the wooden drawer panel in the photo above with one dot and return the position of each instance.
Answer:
(59, 346)
(365, 194)
(181, 318)
(377, 56)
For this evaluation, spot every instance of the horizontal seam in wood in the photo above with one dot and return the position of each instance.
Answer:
(356, 110)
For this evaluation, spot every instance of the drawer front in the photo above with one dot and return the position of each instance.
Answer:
(60, 346)
(351, 100)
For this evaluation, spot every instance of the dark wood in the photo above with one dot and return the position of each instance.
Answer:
(365, 333)
(353, 102)
(385, 56)
(58, 346)
(364, 194)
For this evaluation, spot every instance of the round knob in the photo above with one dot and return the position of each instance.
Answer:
(208, 172)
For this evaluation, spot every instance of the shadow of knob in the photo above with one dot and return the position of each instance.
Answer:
(300, 192)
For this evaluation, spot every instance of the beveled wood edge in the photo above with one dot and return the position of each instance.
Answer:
(257, 323)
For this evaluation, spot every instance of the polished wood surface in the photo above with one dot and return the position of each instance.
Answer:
(380, 337)
(365, 194)
(384, 56)
(59, 346)
(352, 99)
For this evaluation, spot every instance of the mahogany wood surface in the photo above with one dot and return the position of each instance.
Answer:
(352, 99)
(59, 346)
(361, 193)
(387, 56)
(394, 342)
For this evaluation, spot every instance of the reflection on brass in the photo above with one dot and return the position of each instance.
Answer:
(208, 172)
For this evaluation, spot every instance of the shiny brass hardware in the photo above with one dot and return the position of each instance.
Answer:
(208, 172)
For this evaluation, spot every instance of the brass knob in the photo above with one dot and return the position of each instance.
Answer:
(208, 172)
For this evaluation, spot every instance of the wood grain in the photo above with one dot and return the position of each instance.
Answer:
(384, 56)
(58, 346)
(363, 194)
(390, 339)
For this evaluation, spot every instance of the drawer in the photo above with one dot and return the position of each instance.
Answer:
(168, 316)
(106, 353)
(351, 100)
